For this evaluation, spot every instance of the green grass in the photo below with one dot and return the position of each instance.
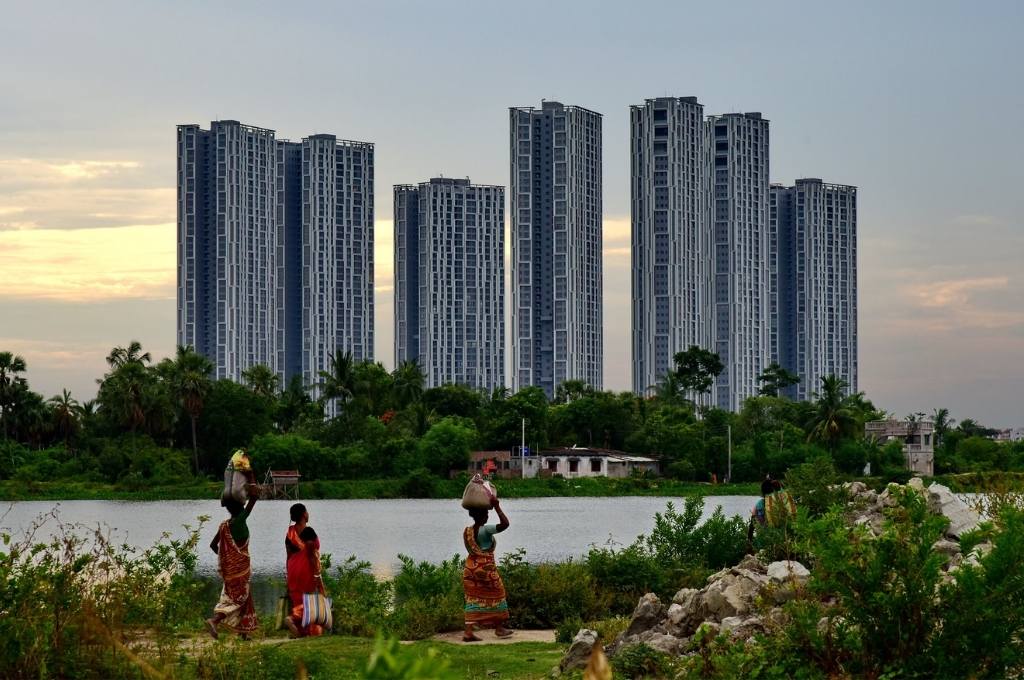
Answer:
(337, 657)
(377, 488)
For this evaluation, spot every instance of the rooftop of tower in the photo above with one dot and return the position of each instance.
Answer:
(551, 105)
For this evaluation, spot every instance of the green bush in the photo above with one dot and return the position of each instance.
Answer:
(428, 598)
(362, 604)
(419, 483)
(815, 486)
(545, 595)
(641, 661)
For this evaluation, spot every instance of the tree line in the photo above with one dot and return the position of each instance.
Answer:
(170, 421)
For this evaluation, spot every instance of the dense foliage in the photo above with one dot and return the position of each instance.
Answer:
(170, 423)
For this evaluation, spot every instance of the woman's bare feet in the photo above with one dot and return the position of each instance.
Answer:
(289, 622)
(468, 635)
(502, 632)
(211, 627)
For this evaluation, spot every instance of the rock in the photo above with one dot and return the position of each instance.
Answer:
(946, 547)
(579, 651)
(786, 571)
(751, 563)
(962, 519)
(886, 498)
(685, 597)
(916, 484)
(855, 489)
(732, 595)
(666, 644)
(649, 613)
(742, 627)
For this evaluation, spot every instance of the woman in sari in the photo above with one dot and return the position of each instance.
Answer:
(485, 593)
(302, 548)
(235, 608)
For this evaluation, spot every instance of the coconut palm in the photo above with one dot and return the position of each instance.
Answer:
(571, 390)
(943, 424)
(293, 404)
(407, 383)
(339, 382)
(261, 380)
(10, 366)
(189, 379)
(834, 418)
(132, 354)
(65, 416)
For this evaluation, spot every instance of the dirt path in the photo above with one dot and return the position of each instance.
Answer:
(488, 637)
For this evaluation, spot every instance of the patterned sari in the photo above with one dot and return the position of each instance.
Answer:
(303, 551)
(236, 597)
(485, 593)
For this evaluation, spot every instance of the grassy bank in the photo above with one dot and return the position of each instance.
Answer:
(347, 657)
(377, 488)
(11, 490)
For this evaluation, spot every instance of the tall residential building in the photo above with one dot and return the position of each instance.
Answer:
(816, 322)
(450, 281)
(673, 307)
(337, 252)
(227, 245)
(555, 207)
(275, 249)
(741, 253)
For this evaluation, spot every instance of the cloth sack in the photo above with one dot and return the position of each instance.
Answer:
(478, 494)
(281, 611)
(235, 478)
(316, 608)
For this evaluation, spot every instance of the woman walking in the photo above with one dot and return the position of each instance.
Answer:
(302, 548)
(485, 593)
(235, 609)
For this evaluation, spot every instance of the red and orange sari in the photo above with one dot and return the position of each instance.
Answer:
(303, 565)
(485, 593)
(236, 596)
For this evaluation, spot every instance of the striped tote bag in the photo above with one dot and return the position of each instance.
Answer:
(316, 608)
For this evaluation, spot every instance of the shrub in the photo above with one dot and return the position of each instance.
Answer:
(427, 598)
(567, 629)
(641, 661)
(419, 483)
(815, 486)
(361, 603)
(545, 595)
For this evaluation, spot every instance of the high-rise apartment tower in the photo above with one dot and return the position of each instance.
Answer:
(556, 246)
(450, 281)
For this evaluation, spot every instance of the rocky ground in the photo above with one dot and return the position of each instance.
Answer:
(745, 599)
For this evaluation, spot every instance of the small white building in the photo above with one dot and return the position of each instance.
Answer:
(918, 438)
(587, 462)
(1013, 434)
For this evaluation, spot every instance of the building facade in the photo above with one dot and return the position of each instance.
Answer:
(742, 285)
(672, 294)
(337, 252)
(450, 281)
(227, 245)
(917, 437)
(556, 250)
(275, 249)
(814, 316)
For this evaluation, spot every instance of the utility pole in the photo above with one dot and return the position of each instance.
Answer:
(728, 476)
(522, 450)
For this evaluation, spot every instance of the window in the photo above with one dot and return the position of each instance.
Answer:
(595, 464)
(574, 465)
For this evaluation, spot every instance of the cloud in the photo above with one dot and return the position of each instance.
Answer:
(80, 194)
(84, 265)
(978, 220)
(957, 292)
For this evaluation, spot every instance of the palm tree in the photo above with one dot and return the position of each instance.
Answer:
(10, 366)
(132, 354)
(293, 403)
(261, 380)
(407, 383)
(833, 418)
(189, 373)
(571, 390)
(65, 415)
(339, 382)
(943, 424)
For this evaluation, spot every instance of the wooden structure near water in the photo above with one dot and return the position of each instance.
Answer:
(281, 485)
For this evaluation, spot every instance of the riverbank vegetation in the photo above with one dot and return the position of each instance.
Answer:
(165, 429)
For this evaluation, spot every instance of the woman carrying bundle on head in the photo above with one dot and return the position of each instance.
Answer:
(485, 593)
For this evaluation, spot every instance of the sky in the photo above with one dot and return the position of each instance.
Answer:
(919, 104)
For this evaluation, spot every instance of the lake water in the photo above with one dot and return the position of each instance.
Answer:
(549, 529)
